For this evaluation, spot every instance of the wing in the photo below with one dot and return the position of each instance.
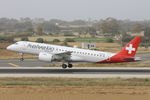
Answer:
(63, 56)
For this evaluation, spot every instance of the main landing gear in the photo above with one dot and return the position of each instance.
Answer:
(21, 59)
(64, 66)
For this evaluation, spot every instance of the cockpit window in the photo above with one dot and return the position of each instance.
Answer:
(16, 43)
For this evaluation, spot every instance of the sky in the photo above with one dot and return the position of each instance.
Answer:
(76, 9)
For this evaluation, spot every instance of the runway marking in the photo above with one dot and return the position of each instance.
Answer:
(14, 65)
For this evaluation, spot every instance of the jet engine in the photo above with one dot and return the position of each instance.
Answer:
(46, 57)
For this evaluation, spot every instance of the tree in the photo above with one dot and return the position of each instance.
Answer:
(147, 32)
(49, 27)
(126, 38)
(40, 40)
(24, 39)
(91, 30)
(65, 43)
(146, 38)
(56, 40)
(109, 25)
(137, 28)
(39, 29)
(69, 40)
(6, 39)
(109, 40)
(78, 22)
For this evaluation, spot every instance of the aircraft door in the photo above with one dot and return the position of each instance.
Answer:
(24, 47)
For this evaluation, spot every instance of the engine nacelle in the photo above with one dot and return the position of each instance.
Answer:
(45, 57)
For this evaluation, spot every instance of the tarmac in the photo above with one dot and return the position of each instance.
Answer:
(35, 68)
(78, 72)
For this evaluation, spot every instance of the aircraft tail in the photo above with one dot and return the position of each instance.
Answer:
(130, 49)
(127, 53)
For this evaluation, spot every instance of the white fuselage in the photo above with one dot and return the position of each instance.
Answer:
(77, 55)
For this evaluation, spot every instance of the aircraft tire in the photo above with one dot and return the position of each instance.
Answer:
(21, 59)
(64, 66)
(70, 65)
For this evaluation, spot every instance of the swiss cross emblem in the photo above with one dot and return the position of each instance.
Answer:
(130, 49)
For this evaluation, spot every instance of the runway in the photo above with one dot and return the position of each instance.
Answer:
(36, 68)
(85, 72)
(25, 63)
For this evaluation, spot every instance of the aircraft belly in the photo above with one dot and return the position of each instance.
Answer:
(86, 59)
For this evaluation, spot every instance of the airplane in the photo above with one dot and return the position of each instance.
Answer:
(68, 55)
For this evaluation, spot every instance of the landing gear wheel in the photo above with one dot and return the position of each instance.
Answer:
(21, 59)
(70, 65)
(64, 66)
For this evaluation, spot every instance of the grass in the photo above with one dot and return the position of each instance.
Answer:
(73, 82)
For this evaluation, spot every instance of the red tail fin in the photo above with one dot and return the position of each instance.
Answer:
(130, 49)
(127, 53)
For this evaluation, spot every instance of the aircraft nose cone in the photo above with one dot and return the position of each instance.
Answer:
(8, 48)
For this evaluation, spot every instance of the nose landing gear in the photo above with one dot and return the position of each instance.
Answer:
(21, 59)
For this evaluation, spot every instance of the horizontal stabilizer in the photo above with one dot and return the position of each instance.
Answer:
(133, 58)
